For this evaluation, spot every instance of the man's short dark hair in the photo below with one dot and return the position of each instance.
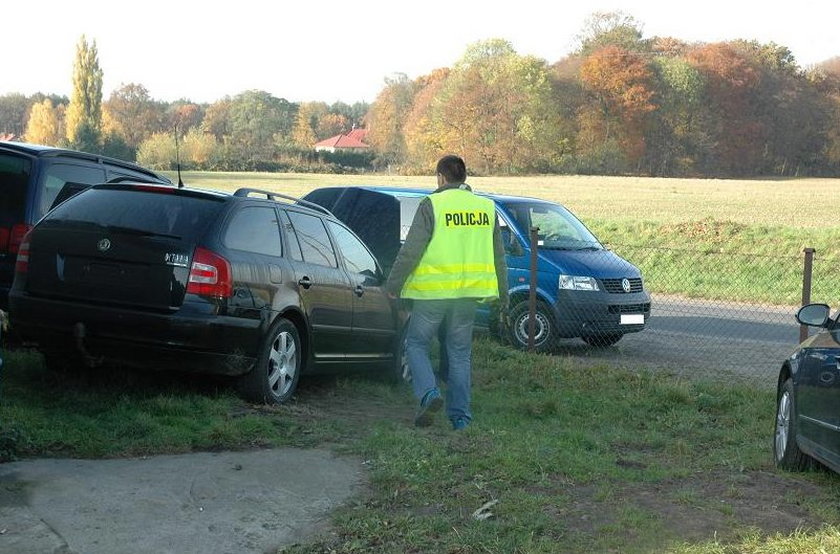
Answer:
(453, 169)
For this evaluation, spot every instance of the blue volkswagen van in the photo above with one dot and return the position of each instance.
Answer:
(583, 289)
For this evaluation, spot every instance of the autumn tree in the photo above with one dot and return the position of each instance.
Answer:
(46, 124)
(609, 29)
(621, 84)
(306, 122)
(217, 119)
(736, 135)
(386, 117)
(497, 109)
(14, 110)
(258, 123)
(423, 145)
(674, 135)
(132, 114)
(83, 123)
(184, 115)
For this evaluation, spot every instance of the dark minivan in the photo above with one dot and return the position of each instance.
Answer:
(33, 178)
(242, 284)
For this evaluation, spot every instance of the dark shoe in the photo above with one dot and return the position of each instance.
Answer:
(430, 404)
(460, 424)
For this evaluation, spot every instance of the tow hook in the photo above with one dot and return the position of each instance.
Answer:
(79, 334)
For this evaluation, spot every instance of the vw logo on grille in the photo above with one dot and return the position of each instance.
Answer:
(103, 245)
(625, 284)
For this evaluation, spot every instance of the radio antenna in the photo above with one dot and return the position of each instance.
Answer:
(178, 159)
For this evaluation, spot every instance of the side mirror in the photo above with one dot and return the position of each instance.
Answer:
(510, 242)
(813, 315)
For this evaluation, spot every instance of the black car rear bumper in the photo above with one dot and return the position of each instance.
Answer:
(193, 339)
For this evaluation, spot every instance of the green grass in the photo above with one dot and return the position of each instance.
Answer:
(579, 458)
(736, 240)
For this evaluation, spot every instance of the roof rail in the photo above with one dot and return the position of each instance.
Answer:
(276, 196)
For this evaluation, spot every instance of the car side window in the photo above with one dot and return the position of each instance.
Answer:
(59, 174)
(313, 238)
(353, 251)
(255, 229)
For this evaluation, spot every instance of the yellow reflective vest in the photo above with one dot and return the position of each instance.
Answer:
(458, 261)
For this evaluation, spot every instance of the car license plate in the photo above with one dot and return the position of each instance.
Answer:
(632, 319)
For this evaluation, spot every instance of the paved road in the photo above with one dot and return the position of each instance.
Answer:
(704, 337)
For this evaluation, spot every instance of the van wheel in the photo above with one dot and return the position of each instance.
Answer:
(544, 328)
(605, 339)
(275, 375)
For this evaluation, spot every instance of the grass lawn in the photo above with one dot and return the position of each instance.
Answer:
(564, 456)
(738, 240)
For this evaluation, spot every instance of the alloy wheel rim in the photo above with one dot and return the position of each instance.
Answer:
(782, 425)
(282, 364)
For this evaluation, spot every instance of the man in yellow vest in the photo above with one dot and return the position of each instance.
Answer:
(452, 259)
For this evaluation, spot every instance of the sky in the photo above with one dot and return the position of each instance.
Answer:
(330, 50)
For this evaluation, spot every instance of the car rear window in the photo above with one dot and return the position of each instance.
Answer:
(166, 212)
(14, 180)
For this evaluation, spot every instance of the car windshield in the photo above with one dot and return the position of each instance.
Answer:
(558, 228)
(139, 212)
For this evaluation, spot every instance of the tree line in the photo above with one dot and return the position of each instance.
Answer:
(619, 104)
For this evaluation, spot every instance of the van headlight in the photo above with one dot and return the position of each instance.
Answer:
(578, 282)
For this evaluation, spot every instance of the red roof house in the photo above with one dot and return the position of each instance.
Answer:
(352, 141)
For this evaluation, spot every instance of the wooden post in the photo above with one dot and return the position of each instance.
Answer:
(806, 287)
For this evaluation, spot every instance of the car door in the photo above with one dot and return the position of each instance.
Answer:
(326, 294)
(818, 401)
(374, 315)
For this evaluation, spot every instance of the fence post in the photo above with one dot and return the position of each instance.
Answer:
(532, 288)
(806, 287)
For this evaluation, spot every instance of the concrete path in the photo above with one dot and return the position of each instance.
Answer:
(228, 502)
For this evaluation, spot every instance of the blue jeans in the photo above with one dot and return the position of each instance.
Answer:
(458, 316)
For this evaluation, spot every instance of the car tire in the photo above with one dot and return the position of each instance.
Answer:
(275, 375)
(786, 451)
(545, 330)
(398, 371)
(603, 339)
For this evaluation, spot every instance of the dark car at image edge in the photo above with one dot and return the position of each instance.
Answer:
(246, 284)
(807, 427)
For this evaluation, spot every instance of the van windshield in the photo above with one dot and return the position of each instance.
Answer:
(558, 228)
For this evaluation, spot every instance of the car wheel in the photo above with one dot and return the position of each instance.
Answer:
(605, 339)
(544, 328)
(275, 375)
(398, 370)
(785, 449)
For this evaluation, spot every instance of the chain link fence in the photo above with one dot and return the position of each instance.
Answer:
(716, 314)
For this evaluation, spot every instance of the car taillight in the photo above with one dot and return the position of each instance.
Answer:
(22, 262)
(10, 240)
(210, 275)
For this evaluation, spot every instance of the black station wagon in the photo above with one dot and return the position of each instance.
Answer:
(254, 285)
(34, 178)
(808, 396)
